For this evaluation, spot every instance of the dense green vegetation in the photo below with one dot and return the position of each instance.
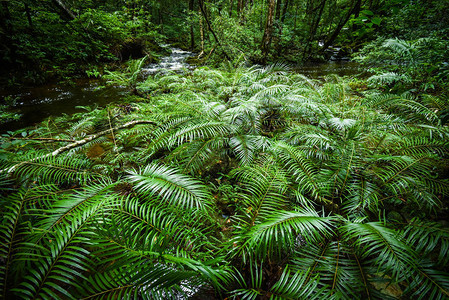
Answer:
(53, 38)
(253, 182)
(234, 180)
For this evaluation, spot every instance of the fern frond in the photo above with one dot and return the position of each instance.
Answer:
(13, 210)
(428, 238)
(48, 169)
(172, 186)
(298, 286)
(389, 78)
(382, 246)
(190, 132)
(265, 187)
(303, 170)
(64, 243)
(246, 146)
(199, 154)
(276, 236)
(404, 105)
(428, 283)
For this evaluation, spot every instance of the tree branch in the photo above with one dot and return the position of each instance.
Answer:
(77, 144)
(201, 4)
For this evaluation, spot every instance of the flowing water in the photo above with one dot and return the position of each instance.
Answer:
(37, 103)
(175, 62)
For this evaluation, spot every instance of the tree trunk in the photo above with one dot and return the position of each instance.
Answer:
(277, 24)
(28, 13)
(341, 25)
(239, 7)
(356, 12)
(268, 33)
(281, 22)
(201, 3)
(192, 33)
(65, 10)
(278, 10)
(231, 3)
(202, 37)
(316, 18)
(284, 11)
(160, 19)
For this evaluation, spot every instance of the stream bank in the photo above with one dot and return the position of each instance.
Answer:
(35, 104)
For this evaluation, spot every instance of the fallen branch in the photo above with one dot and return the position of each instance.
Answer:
(77, 144)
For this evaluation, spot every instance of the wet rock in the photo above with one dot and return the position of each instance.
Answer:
(131, 49)
(175, 62)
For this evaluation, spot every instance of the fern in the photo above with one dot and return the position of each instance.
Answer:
(251, 182)
(173, 187)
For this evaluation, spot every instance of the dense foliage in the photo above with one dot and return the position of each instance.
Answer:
(240, 182)
(244, 183)
(54, 38)
(41, 39)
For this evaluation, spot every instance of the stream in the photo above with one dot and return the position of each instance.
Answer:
(35, 104)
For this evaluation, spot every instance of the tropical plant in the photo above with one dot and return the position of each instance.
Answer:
(130, 77)
(406, 64)
(250, 183)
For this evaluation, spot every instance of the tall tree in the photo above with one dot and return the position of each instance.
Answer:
(278, 10)
(314, 14)
(355, 8)
(66, 12)
(284, 11)
(239, 7)
(268, 33)
(192, 34)
(203, 12)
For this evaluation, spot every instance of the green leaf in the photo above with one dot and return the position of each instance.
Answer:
(376, 20)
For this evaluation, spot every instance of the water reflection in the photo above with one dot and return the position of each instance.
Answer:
(37, 103)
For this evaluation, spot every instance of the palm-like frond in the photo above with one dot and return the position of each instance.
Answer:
(276, 236)
(187, 133)
(152, 276)
(48, 169)
(342, 273)
(246, 147)
(298, 286)
(405, 105)
(265, 191)
(428, 238)
(382, 246)
(198, 155)
(151, 226)
(389, 78)
(10, 231)
(304, 171)
(61, 240)
(246, 115)
(401, 176)
(428, 282)
(171, 186)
